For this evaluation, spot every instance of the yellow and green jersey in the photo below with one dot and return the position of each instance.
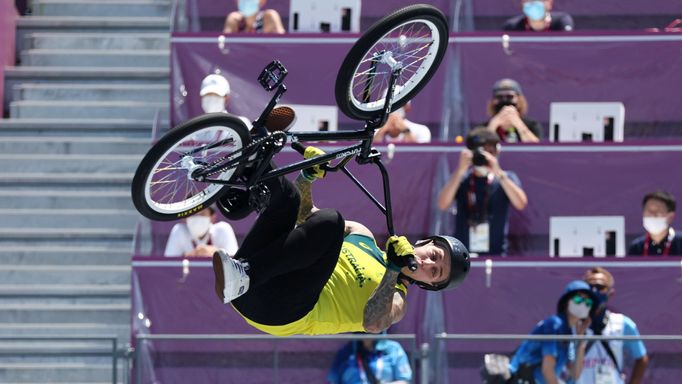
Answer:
(360, 268)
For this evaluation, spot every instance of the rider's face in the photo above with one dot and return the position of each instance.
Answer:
(433, 264)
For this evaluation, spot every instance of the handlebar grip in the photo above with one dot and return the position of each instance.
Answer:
(411, 263)
(298, 147)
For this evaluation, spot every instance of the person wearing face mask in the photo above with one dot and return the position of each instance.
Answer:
(540, 361)
(250, 17)
(200, 235)
(507, 110)
(214, 93)
(482, 191)
(538, 17)
(660, 238)
(605, 360)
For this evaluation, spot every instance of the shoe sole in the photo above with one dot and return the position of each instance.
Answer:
(219, 276)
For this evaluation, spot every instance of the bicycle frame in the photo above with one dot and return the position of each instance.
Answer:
(271, 78)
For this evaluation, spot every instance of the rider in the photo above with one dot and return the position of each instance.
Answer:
(304, 270)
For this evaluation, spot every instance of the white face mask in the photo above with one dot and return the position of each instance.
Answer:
(198, 226)
(212, 103)
(580, 311)
(655, 225)
(248, 7)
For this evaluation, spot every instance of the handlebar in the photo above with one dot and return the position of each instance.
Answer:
(300, 148)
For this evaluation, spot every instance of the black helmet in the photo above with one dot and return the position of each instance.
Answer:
(459, 263)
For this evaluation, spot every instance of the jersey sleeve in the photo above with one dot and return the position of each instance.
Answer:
(634, 349)
(551, 326)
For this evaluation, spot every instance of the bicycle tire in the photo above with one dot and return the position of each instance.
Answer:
(163, 167)
(431, 18)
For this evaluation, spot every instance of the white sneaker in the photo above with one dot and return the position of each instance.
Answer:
(231, 279)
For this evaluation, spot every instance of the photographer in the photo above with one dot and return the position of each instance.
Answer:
(483, 192)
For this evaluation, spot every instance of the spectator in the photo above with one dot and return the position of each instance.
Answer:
(483, 192)
(538, 17)
(370, 361)
(605, 360)
(251, 17)
(660, 238)
(215, 93)
(544, 361)
(399, 129)
(507, 108)
(200, 235)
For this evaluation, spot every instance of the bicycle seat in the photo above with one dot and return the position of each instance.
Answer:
(281, 118)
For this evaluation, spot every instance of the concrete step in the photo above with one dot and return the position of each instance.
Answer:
(73, 145)
(98, 41)
(64, 313)
(67, 372)
(122, 331)
(72, 254)
(51, 127)
(69, 218)
(64, 280)
(14, 75)
(99, 237)
(139, 110)
(93, 24)
(95, 57)
(61, 199)
(130, 8)
(64, 164)
(82, 181)
(92, 92)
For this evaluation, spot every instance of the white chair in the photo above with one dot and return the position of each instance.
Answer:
(595, 122)
(324, 16)
(315, 117)
(576, 236)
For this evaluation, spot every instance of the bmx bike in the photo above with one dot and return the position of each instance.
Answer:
(205, 158)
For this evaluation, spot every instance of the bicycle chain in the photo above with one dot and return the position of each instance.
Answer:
(244, 150)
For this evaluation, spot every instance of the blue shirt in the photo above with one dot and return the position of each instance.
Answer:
(388, 362)
(531, 352)
(633, 349)
(491, 201)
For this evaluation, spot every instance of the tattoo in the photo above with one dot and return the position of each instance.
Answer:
(378, 313)
(306, 205)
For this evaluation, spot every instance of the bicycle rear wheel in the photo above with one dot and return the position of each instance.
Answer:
(413, 38)
(163, 188)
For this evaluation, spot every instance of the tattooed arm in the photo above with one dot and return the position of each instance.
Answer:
(306, 207)
(386, 305)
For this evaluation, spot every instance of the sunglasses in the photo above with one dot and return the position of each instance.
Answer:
(579, 300)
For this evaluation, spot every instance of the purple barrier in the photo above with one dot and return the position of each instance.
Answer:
(312, 62)
(8, 20)
(550, 68)
(585, 7)
(560, 180)
(566, 68)
(521, 294)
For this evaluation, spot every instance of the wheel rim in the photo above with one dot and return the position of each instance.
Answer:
(170, 190)
(414, 44)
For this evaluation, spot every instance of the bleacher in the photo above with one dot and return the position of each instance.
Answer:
(86, 87)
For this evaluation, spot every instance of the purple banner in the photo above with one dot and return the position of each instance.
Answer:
(585, 7)
(511, 299)
(560, 180)
(518, 296)
(8, 20)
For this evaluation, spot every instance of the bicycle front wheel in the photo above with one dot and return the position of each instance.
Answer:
(413, 39)
(163, 187)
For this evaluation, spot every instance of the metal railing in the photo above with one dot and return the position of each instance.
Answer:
(111, 338)
(411, 338)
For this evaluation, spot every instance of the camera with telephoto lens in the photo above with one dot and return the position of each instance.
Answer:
(479, 158)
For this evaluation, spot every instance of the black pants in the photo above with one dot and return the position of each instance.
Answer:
(288, 265)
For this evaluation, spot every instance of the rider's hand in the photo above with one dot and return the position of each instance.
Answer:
(399, 251)
(315, 172)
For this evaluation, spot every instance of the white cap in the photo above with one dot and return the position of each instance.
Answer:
(215, 83)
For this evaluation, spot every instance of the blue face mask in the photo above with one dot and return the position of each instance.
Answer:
(534, 10)
(248, 7)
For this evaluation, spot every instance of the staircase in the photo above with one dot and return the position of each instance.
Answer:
(92, 80)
